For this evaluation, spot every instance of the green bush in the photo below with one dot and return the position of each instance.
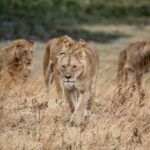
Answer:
(51, 15)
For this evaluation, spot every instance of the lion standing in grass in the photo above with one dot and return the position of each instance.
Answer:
(134, 58)
(78, 69)
(53, 49)
(16, 57)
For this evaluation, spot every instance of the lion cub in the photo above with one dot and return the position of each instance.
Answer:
(78, 68)
(17, 57)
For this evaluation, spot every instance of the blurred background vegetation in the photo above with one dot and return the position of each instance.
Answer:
(44, 19)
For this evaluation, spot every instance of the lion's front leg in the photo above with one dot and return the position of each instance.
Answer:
(70, 98)
(59, 87)
(80, 111)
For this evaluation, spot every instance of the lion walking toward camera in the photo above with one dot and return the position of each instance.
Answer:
(78, 69)
(135, 59)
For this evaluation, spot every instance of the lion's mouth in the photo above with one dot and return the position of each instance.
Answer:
(69, 84)
(28, 62)
(68, 81)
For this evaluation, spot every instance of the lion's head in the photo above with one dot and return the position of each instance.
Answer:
(23, 50)
(71, 65)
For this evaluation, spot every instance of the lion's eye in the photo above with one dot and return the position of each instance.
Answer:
(74, 66)
(25, 51)
(63, 66)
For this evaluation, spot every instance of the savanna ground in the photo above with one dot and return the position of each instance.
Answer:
(32, 120)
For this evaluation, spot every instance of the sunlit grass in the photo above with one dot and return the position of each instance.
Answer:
(32, 119)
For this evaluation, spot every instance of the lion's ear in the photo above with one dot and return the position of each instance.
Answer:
(19, 45)
(15, 53)
(66, 43)
(32, 43)
(81, 41)
(80, 53)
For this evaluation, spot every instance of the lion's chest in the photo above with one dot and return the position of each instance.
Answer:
(69, 86)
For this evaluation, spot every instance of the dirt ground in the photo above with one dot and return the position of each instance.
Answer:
(32, 120)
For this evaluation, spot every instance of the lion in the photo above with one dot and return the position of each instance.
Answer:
(53, 49)
(78, 70)
(134, 58)
(17, 74)
(17, 52)
(20, 71)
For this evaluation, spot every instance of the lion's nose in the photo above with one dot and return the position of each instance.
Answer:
(26, 76)
(67, 76)
(29, 61)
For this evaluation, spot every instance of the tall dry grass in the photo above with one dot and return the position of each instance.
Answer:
(31, 119)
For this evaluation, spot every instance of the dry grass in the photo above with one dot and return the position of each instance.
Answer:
(32, 120)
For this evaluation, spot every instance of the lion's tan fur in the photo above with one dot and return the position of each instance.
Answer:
(81, 93)
(16, 58)
(136, 59)
(20, 71)
(53, 48)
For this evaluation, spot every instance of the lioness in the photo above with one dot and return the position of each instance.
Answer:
(134, 58)
(19, 51)
(78, 69)
(53, 49)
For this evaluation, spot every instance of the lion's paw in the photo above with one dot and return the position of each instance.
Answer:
(76, 119)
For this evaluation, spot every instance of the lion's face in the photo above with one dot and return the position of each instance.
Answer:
(71, 67)
(24, 50)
